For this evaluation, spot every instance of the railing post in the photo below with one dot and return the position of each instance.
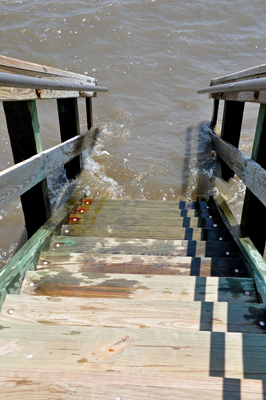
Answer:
(231, 129)
(214, 113)
(69, 127)
(254, 212)
(24, 133)
(89, 112)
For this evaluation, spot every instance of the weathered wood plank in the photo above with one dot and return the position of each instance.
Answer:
(24, 132)
(136, 264)
(231, 129)
(145, 232)
(25, 259)
(94, 245)
(250, 73)
(145, 211)
(92, 385)
(251, 173)
(251, 97)
(163, 287)
(130, 313)
(14, 66)
(254, 261)
(253, 209)
(230, 355)
(165, 219)
(195, 205)
(21, 177)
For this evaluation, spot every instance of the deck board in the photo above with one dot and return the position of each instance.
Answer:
(142, 220)
(98, 245)
(145, 232)
(67, 348)
(130, 313)
(163, 287)
(91, 385)
(136, 264)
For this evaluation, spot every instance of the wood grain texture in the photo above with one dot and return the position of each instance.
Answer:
(195, 205)
(147, 265)
(145, 232)
(250, 73)
(251, 173)
(130, 313)
(67, 348)
(14, 66)
(98, 245)
(21, 177)
(140, 210)
(90, 385)
(145, 219)
(130, 286)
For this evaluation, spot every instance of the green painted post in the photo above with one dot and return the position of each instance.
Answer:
(231, 129)
(69, 127)
(24, 133)
(254, 212)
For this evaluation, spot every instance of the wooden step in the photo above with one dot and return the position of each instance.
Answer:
(163, 287)
(126, 350)
(145, 232)
(145, 220)
(136, 264)
(73, 244)
(94, 385)
(195, 205)
(144, 211)
(130, 313)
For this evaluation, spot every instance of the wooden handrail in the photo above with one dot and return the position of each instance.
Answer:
(13, 66)
(27, 82)
(21, 177)
(235, 90)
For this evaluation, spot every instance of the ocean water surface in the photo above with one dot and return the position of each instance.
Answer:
(153, 55)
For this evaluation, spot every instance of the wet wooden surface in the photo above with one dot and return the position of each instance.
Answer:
(144, 219)
(68, 348)
(195, 205)
(138, 210)
(130, 286)
(145, 232)
(136, 264)
(98, 245)
(75, 311)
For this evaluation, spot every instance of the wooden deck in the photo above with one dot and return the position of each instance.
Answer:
(119, 308)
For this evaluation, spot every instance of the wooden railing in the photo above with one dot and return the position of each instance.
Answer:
(235, 90)
(21, 84)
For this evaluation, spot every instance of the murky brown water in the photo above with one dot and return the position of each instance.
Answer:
(153, 56)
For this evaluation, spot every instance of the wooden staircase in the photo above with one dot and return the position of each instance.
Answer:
(136, 300)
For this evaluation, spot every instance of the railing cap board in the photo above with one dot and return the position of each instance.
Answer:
(25, 68)
(250, 73)
(14, 66)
